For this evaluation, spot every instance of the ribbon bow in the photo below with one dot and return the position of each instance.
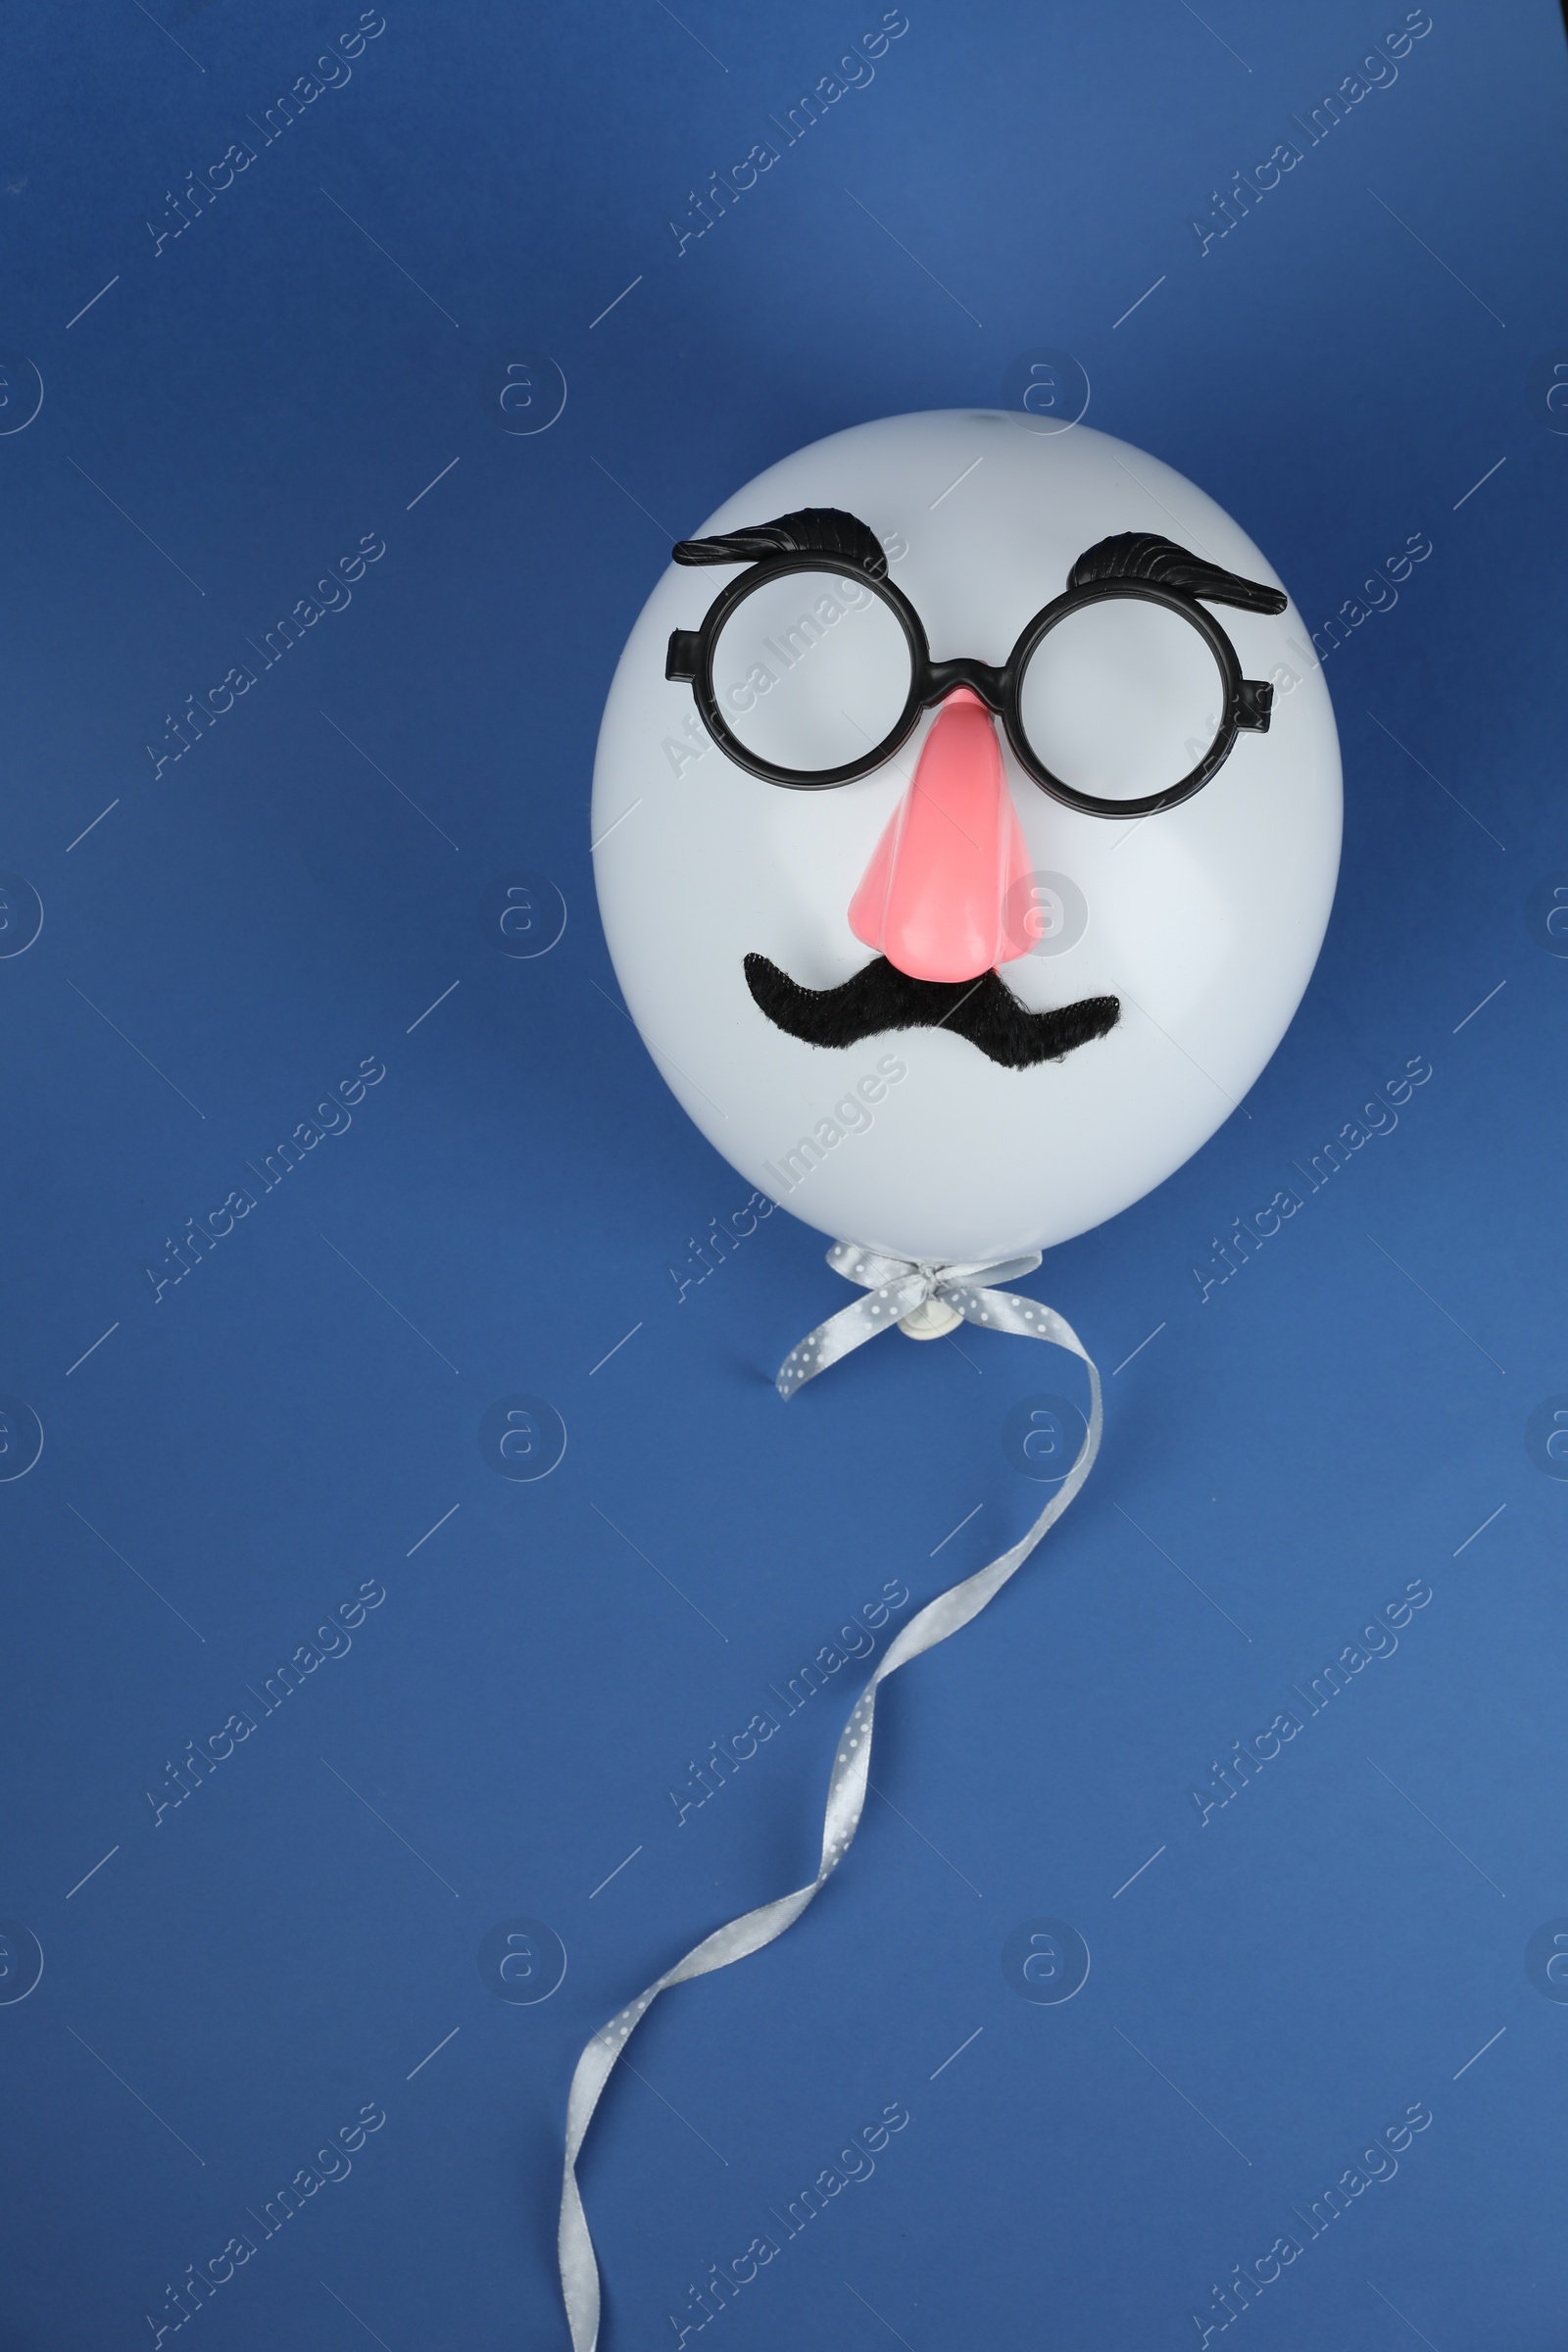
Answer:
(900, 1289)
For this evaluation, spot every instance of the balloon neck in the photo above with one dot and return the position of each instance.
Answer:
(932, 1319)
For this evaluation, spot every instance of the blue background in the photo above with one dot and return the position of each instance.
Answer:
(287, 1422)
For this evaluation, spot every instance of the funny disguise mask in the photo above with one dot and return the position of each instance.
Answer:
(1129, 806)
(813, 722)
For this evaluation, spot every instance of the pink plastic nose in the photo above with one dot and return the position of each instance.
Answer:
(933, 898)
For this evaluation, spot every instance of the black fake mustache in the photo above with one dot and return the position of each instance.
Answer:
(881, 997)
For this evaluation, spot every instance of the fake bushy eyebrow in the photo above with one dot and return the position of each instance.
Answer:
(831, 532)
(809, 531)
(1141, 556)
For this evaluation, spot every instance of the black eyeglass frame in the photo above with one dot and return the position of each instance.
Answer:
(1248, 701)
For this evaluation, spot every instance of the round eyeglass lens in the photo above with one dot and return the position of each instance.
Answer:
(812, 671)
(1121, 699)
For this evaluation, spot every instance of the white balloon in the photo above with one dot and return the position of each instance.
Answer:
(1205, 921)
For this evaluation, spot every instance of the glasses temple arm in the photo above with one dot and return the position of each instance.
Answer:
(680, 662)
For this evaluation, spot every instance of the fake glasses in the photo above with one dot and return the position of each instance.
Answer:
(1121, 698)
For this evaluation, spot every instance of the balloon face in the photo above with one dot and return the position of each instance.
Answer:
(964, 841)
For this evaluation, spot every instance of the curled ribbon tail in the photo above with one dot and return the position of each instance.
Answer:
(894, 1287)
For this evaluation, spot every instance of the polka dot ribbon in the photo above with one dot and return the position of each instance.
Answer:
(895, 1287)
